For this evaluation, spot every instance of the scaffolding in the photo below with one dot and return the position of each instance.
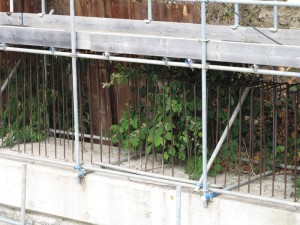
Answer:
(200, 49)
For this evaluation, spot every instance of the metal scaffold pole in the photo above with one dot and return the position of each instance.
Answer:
(204, 101)
(23, 195)
(275, 28)
(250, 2)
(78, 167)
(11, 5)
(149, 9)
(43, 5)
(236, 17)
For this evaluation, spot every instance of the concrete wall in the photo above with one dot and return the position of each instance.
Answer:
(54, 197)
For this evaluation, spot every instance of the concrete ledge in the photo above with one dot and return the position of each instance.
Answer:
(53, 195)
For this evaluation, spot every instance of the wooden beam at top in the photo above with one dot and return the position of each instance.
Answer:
(154, 39)
(185, 30)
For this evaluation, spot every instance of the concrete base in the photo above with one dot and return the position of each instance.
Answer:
(55, 197)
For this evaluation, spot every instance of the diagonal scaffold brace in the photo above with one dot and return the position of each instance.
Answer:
(223, 137)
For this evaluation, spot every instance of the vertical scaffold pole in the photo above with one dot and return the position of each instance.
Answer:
(236, 17)
(275, 18)
(23, 195)
(149, 9)
(43, 5)
(178, 205)
(204, 103)
(75, 94)
(11, 6)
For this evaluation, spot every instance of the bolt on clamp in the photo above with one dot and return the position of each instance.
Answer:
(3, 46)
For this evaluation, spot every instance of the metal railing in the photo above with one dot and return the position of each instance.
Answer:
(75, 147)
(151, 118)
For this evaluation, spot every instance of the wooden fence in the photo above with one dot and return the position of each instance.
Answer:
(123, 9)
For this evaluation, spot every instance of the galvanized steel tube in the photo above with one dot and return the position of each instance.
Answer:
(224, 135)
(75, 94)
(252, 2)
(9, 221)
(11, 5)
(242, 183)
(23, 195)
(255, 197)
(143, 173)
(248, 2)
(275, 17)
(204, 99)
(122, 172)
(236, 15)
(10, 76)
(152, 62)
(43, 5)
(166, 182)
(178, 205)
(149, 9)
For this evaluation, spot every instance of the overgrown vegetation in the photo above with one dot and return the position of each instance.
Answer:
(32, 102)
(167, 118)
(24, 106)
(164, 117)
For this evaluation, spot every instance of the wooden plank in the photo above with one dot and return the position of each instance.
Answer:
(221, 51)
(214, 32)
(36, 37)
(140, 38)
(141, 45)
(251, 53)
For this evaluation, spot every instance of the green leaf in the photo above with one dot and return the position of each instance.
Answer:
(171, 151)
(200, 134)
(168, 136)
(158, 140)
(149, 148)
(125, 144)
(118, 80)
(134, 123)
(280, 148)
(134, 142)
(159, 130)
(124, 124)
(125, 80)
(114, 139)
(185, 139)
(168, 126)
(114, 127)
(166, 156)
(181, 155)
